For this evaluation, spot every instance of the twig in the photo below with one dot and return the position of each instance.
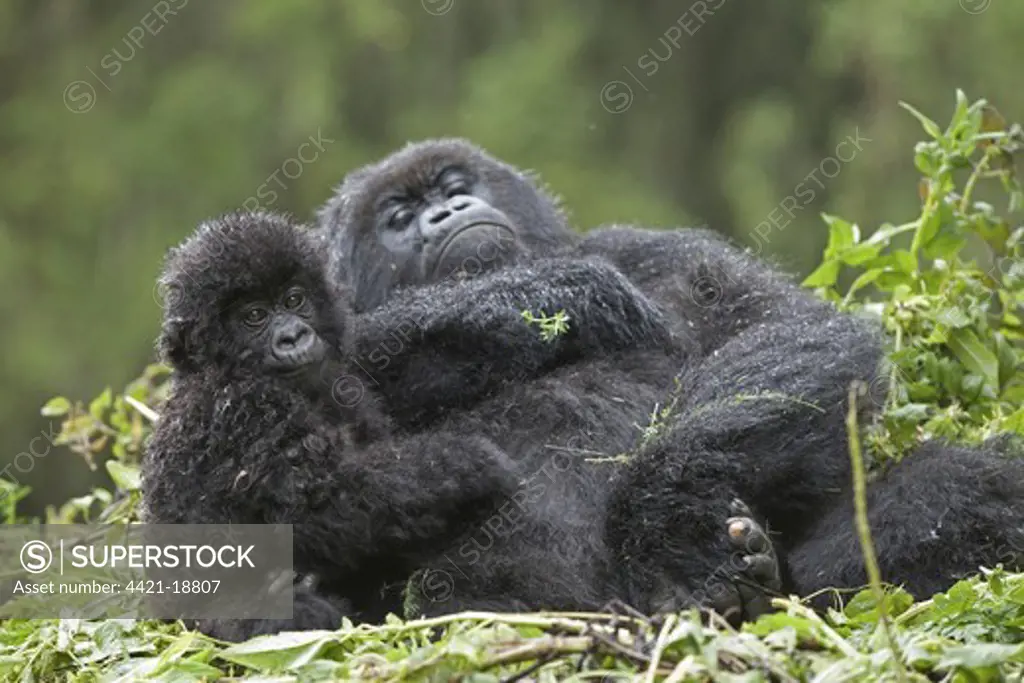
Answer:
(142, 408)
(527, 671)
(659, 647)
(618, 647)
(976, 173)
(576, 622)
(765, 661)
(542, 648)
(860, 502)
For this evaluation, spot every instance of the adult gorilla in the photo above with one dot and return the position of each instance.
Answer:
(763, 392)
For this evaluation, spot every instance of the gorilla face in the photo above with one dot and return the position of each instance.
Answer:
(246, 293)
(446, 228)
(431, 211)
(280, 334)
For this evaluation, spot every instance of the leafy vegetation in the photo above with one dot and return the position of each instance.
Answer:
(952, 294)
(948, 287)
(549, 326)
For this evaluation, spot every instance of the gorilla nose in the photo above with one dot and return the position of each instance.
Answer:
(292, 336)
(437, 221)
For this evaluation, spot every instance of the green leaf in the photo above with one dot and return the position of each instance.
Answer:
(974, 355)
(945, 246)
(1007, 360)
(953, 318)
(911, 412)
(127, 477)
(960, 113)
(891, 280)
(926, 159)
(777, 621)
(187, 671)
(841, 235)
(56, 406)
(926, 232)
(279, 652)
(824, 275)
(864, 280)
(860, 254)
(980, 655)
(929, 126)
(101, 403)
(863, 608)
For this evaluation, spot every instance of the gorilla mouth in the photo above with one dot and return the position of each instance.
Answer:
(294, 362)
(473, 247)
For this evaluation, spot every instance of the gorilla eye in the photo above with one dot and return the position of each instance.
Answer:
(453, 182)
(400, 217)
(456, 187)
(255, 316)
(295, 299)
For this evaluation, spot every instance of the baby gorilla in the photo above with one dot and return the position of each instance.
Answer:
(253, 435)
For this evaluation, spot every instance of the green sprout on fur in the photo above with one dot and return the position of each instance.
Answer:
(550, 326)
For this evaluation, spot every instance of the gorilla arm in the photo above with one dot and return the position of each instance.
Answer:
(267, 456)
(437, 347)
(399, 498)
(711, 290)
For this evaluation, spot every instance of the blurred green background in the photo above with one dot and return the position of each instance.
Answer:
(122, 124)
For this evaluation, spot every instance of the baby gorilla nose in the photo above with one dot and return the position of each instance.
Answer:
(295, 343)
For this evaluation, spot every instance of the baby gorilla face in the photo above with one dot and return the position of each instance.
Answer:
(250, 295)
(281, 332)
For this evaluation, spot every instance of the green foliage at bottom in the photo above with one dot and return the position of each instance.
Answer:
(972, 633)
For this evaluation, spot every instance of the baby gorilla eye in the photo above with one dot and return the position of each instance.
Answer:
(294, 299)
(255, 316)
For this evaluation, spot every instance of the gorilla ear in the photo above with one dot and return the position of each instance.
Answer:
(173, 346)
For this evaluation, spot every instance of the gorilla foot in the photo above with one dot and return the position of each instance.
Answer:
(759, 576)
(742, 586)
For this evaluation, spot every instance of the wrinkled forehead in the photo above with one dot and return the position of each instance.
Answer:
(413, 169)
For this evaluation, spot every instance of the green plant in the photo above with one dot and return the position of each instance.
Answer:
(947, 285)
(551, 326)
(113, 427)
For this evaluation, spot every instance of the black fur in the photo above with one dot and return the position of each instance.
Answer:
(935, 517)
(443, 346)
(596, 401)
(240, 443)
(766, 368)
